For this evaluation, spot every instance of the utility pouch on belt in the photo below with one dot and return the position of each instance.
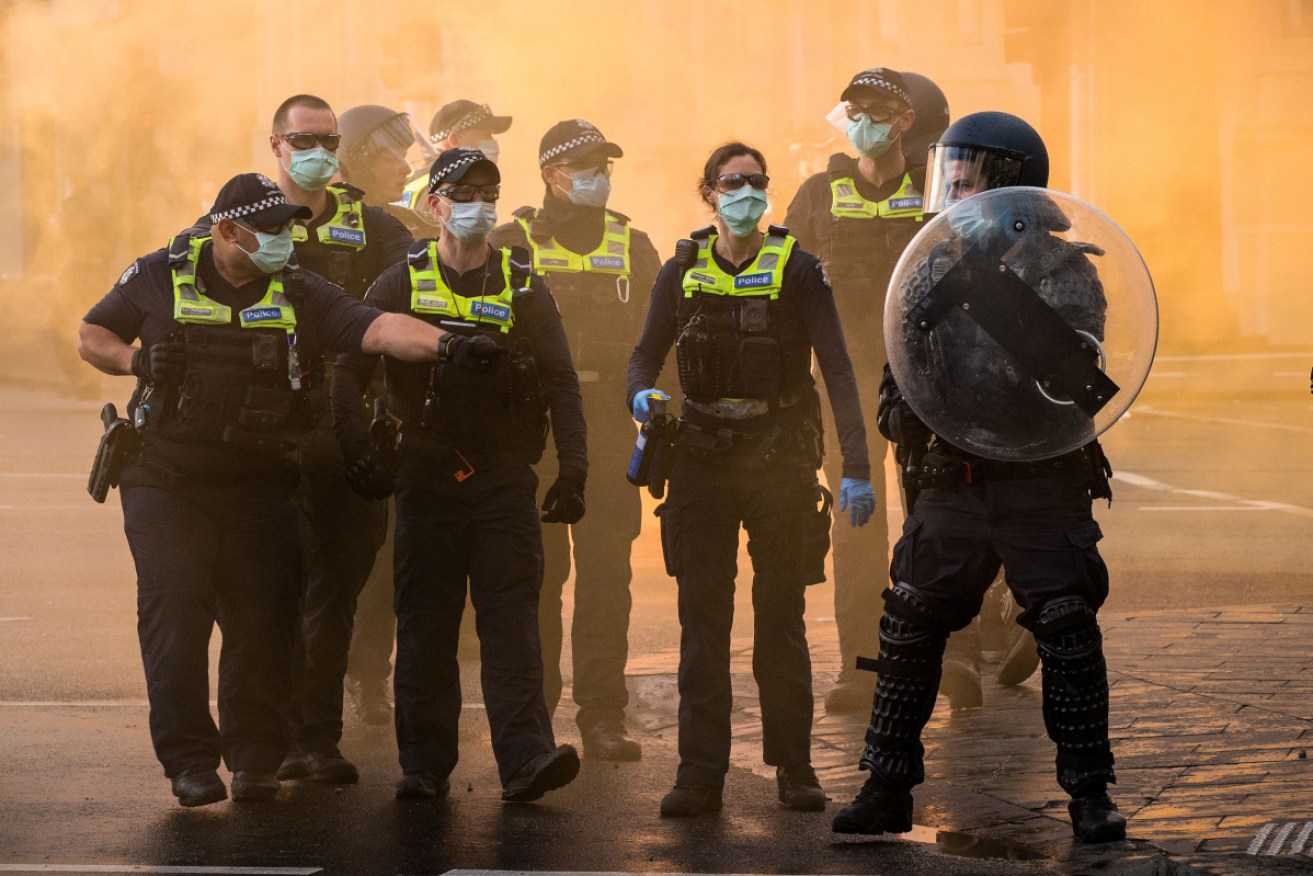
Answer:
(759, 367)
(264, 409)
(119, 448)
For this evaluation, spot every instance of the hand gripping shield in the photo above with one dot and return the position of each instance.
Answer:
(1020, 324)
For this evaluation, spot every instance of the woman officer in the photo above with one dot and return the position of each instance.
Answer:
(745, 310)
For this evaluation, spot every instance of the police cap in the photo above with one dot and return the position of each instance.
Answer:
(453, 164)
(574, 138)
(880, 80)
(461, 115)
(256, 199)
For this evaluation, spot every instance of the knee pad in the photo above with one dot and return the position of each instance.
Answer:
(1067, 628)
(909, 614)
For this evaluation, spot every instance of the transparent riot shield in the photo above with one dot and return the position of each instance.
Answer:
(1020, 323)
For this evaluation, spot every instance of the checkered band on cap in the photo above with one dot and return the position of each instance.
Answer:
(874, 78)
(471, 120)
(584, 138)
(467, 157)
(273, 199)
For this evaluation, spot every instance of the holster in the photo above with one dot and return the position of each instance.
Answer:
(119, 447)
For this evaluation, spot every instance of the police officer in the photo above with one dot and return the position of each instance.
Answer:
(466, 487)
(229, 376)
(857, 217)
(744, 311)
(466, 123)
(1031, 517)
(382, 151)
(591, 257)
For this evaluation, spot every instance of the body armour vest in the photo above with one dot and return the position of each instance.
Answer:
(243, 385)
(592, 291)
(461, 408)
(343, 235)
(738, 340)
(867, 237)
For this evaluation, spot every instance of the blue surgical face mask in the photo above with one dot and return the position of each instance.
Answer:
(589, 189)
(742, 209)
(274, 251)
(471, 221)
(965, 218)
(311, 169)
(870, 139)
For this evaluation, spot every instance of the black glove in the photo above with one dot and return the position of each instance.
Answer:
(477, 352)
(165, 362)
(366, 473)
(564, 502)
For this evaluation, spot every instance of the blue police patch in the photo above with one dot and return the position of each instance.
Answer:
(260, 314)
(905, 203)
(499, 312)
(346, 235)
(607, 262)
(751, 281)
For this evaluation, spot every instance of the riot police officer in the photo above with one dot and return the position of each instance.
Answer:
(466, 509)
(230, 375)
(383, 151)
(591, 257)
(973, 514)
(744, 311)
(857, 217)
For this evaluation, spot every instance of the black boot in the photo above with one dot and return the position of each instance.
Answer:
(607, 740)
(799, 788)
(691, 798)
(877, 809)
(1094, 817)
(199, 786)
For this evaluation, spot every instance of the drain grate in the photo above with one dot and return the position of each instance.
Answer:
(1290, 838)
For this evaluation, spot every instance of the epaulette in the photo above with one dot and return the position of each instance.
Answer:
(521, 265)
(525, 212)
(355, 193)
(418, 248)
(179, 247)
(778, 230)
(618, 216)
(703, 233)
(840, 166)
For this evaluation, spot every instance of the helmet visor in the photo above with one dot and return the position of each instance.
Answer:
(957, 172)
(400, 139)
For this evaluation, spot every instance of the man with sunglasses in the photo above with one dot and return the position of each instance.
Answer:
(467, 518)
(592, 258)
(857, 217)
(230, 368)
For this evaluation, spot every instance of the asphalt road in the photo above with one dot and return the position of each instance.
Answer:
(1214, 506)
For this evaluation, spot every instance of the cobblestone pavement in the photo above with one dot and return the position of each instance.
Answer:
(1212, 718)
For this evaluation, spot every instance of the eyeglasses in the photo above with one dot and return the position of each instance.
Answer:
(878, 114)
(728, 182)
(463, 194)
(263, 229)
(299, 140)
(572, 167)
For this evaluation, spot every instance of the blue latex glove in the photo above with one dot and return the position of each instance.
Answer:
(857, 497)
(640, 408)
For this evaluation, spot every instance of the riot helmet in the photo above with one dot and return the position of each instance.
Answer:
(981, 151)
(932, 117)
(382, 150)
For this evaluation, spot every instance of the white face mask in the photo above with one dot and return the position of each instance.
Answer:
(471, 221)
(490, 149)
(274, 251)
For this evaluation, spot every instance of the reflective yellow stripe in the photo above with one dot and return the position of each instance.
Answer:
(764, 277)
(847, 203)
(192, 306)
(610, 257)
(430, 294)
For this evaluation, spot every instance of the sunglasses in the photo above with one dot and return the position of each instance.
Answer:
(877, 114)
(263, 229)
(728, 182)
(463, 194)
(299, 140)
